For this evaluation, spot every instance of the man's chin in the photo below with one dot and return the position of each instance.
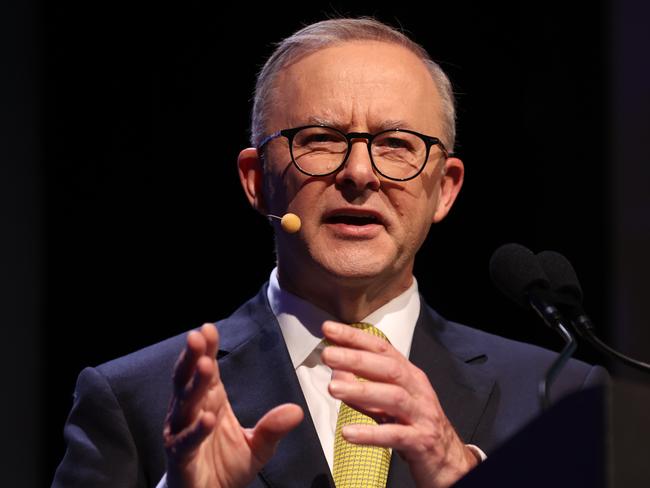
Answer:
(350, 268)
(341, 263)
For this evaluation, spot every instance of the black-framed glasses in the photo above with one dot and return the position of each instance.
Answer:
(396, 154)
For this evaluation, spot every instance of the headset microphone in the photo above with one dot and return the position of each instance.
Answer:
(290, 222)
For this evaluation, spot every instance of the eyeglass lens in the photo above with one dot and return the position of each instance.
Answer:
(396, 154)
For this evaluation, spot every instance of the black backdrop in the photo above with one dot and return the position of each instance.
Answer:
(144, 108)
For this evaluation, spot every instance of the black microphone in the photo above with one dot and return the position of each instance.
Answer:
(516, 272)
(564, 282)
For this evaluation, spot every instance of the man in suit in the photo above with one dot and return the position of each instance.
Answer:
(352, 130)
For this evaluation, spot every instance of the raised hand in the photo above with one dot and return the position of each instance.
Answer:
(400, 397)
(204, 442)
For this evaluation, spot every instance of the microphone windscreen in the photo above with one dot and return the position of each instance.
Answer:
(561, 276)
(290, 223)
(515, 271)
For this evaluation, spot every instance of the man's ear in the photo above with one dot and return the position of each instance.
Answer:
(251, 177)
(451, 181)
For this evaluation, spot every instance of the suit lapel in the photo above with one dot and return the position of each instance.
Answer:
(258, 375)
(463, 389)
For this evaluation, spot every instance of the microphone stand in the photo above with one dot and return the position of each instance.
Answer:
(585, 328)
(552, 317)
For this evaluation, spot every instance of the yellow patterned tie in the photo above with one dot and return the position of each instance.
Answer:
(359, 466)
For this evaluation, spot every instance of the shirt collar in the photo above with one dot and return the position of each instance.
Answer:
(301, 321)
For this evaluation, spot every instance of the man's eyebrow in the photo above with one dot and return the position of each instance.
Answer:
(383, 125)
(316, 120)
(393, 124)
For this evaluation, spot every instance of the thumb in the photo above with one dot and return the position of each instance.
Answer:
(271, 428)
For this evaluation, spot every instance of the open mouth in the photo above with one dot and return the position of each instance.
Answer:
(359, 220)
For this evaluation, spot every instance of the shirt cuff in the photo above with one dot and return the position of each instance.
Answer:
(163, 482)
(480, 455)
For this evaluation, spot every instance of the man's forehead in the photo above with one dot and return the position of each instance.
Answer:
(377, 81)
(334, 60)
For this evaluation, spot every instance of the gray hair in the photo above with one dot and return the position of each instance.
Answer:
(333, 31)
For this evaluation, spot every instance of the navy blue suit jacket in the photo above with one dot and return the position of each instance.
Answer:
(487, 386)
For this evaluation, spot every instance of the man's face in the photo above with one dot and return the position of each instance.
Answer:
(356, 225)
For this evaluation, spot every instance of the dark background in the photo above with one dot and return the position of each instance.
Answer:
(123, 220)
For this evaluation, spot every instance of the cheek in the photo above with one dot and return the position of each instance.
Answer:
(279, 191)
(411, 203)
(398, 199)
(302, 197)
(414, 213)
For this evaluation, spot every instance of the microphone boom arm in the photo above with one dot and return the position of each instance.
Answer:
(552, 317)
(584, 327)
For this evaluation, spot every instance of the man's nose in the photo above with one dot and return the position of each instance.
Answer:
(358, 171)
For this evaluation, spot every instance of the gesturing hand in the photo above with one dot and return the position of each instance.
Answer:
(204, 442)
(401, 398)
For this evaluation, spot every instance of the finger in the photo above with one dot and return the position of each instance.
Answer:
(441, 445)
(396, 436)
(184, 369)
(378, 415)
(338, 374)
(271, 428)
(404, 437)
(211, 336)
(440, 457)
(181, 446)
(187, 406)
(345, 335)
(367, 365)
(378, 400)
